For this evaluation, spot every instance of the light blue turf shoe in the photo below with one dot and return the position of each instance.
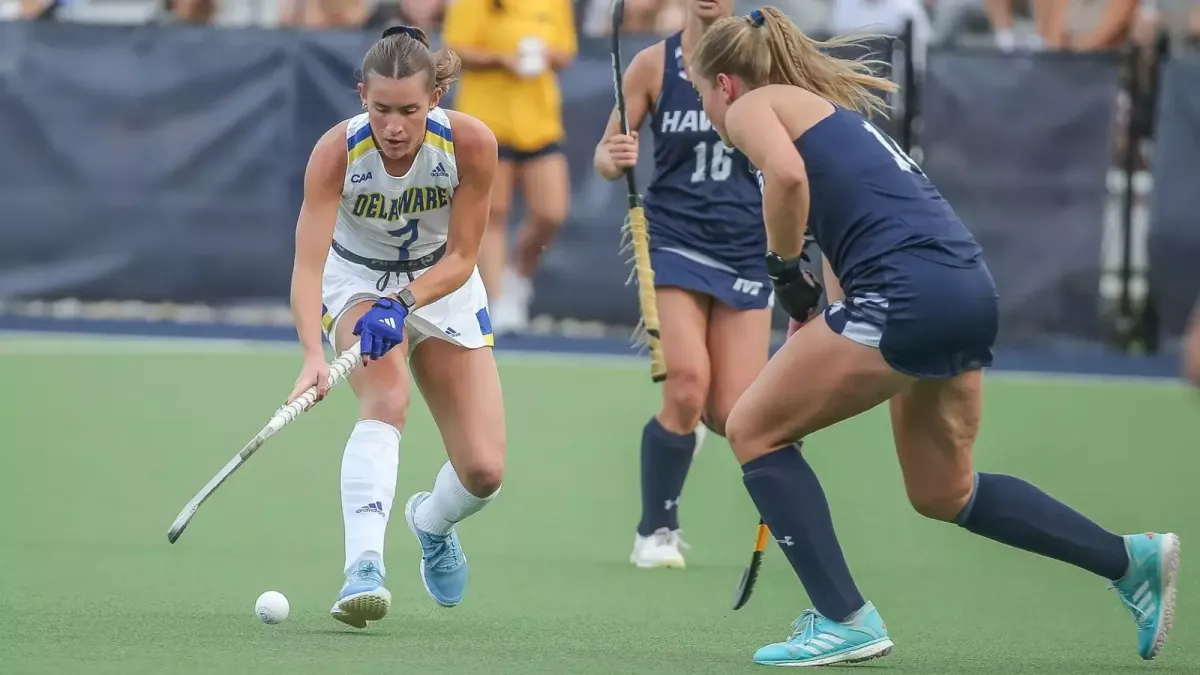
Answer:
(1148, 589)
(818, 641)
(363, 597)
(443, 564)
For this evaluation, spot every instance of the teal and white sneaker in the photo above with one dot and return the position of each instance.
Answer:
(1148, 588)
(363, 597)
(443, 564)
(818, 641)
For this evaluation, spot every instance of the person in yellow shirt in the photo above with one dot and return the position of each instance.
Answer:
(511, 52)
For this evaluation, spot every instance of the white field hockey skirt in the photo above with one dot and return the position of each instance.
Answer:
(460, 317)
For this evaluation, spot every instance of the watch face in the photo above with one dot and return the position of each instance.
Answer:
(774, 263)
(406, 298)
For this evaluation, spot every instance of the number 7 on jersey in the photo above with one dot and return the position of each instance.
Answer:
(410, 229)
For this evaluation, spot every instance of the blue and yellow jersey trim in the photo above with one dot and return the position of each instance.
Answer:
(359, 144)
(327, 322)
(439, 136)
(485, 327)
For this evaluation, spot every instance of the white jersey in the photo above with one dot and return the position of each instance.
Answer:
(405, 217)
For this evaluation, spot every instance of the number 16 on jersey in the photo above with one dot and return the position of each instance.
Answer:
(719, 167)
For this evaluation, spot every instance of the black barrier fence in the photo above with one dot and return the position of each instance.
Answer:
(1022, 149)
(1174, 243)
(166, 164)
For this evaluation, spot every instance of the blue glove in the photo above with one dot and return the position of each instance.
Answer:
(381, 328)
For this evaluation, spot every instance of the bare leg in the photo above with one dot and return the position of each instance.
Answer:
(669, 438)
(935, 424)
(739, 343)
(462, 389)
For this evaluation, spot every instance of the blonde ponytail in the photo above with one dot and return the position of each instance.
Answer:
(767, 48)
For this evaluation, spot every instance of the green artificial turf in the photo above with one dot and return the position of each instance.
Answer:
(104, 441)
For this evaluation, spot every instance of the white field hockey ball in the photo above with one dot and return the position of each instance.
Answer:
(272, 607)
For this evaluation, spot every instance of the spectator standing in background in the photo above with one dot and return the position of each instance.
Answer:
(642, 17)
(324, 13)
(1076, 25)
(1049, 18)
(189, 12)
(424, 14)
(888, 17)
(1178, 19)
(511, 52)
(1094, 25)
(31, 10)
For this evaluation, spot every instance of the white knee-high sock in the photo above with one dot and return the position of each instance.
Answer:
(450, 503)
(369, 467)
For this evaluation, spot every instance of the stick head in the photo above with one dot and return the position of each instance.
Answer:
(749, 575)
(746, 586)
(181, 522)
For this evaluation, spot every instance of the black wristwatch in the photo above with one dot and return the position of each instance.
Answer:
(406, 298)
(782, 269)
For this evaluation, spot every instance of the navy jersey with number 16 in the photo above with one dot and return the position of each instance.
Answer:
(703, 198)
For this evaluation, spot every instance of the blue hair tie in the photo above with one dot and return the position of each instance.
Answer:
(405, 30)
(757, 18)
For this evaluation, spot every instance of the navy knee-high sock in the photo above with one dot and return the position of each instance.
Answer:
(792, 504)
(1014, 512)
(666, 458)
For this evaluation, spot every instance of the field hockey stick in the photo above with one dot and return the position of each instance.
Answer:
(750, 573)
(634, 235)
(338, 370)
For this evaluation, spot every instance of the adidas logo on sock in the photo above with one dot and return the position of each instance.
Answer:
(439, 171)
(373, 507)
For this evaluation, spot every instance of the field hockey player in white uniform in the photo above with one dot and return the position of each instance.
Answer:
(395, 204)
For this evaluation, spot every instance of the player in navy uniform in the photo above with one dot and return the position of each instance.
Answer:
(916, 327)
(706, 248)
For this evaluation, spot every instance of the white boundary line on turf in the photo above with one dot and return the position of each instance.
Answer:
(29, 343)
(1040, 377)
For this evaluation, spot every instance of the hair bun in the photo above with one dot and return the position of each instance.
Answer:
(411, 31)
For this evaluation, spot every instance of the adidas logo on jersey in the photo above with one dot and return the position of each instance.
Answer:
(373, 507)
(439, 171)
